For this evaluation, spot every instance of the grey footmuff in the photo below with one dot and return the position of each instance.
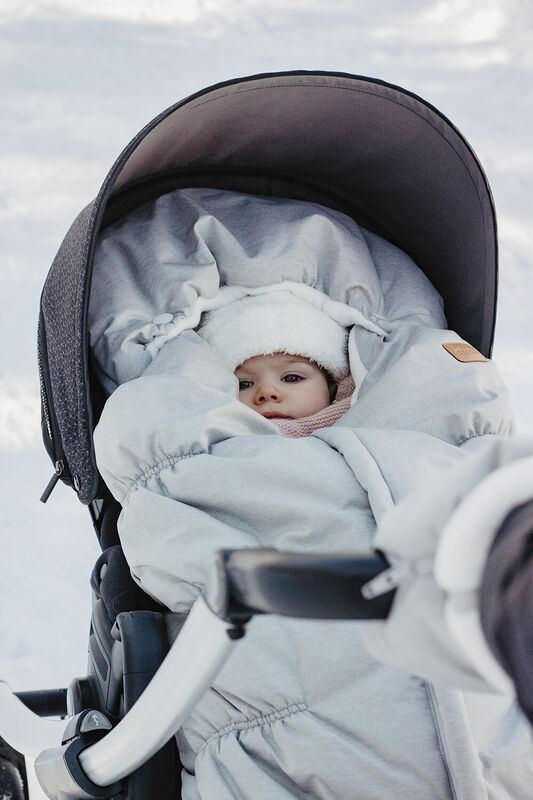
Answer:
(301, 709)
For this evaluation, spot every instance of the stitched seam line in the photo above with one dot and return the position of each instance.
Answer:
(255, 722)
(440, 739)
(372, 460)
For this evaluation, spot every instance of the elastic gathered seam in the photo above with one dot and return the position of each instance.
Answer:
(154, 471)
(255, 722)
(496, 434)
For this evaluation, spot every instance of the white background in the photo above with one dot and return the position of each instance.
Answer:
(78, 79)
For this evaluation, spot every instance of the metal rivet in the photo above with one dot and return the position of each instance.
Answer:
(77, 482)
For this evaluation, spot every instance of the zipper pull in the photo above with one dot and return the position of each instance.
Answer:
(50, 486)
(384, 582)
(391, 578)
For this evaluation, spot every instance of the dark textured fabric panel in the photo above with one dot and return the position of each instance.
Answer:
(63, 307)
(506, 601)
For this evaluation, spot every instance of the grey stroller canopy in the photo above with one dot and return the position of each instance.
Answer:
(361, 146)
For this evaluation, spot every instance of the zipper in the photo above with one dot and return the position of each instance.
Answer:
(53, 446)
(44, 401)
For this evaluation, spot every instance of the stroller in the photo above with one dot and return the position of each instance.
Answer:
(366, 148)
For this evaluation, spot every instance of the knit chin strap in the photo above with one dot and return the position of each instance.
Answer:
(304, 426)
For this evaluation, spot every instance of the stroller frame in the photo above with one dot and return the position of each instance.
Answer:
(338, 153)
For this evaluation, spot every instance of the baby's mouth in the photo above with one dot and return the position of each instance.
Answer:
(274, 415)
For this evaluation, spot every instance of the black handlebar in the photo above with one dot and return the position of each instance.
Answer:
(312, 586)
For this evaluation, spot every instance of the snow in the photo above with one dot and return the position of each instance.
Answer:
(78, 80)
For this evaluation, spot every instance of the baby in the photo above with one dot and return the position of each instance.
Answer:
(283, 386)
(289, 358)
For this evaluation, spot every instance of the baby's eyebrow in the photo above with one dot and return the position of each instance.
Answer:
(296, 360)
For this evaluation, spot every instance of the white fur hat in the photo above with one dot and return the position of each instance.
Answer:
(277, 322)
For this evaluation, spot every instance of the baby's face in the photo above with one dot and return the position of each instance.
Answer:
(282, 385)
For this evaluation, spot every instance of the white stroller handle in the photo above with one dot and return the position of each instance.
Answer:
(245, 582)
(190, 667)
(193, 661)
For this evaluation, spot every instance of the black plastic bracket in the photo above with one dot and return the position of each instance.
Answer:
(45, 702)
(59, 770)
(71, 757)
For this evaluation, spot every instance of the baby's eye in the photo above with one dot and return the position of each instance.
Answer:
(244, 385)
(292, 378)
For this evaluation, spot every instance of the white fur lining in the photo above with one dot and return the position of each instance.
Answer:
(276, 322)
(343, 314)
(467, 536)
(462, 553)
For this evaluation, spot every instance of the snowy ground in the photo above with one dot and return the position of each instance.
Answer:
(78, 79)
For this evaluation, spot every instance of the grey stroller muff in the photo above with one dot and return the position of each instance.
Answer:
(368, 149)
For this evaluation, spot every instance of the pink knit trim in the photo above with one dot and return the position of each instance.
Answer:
(304, 426)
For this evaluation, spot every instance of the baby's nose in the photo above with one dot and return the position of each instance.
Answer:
(267, 392)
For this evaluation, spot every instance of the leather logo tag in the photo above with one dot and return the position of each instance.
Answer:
(463, 352)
